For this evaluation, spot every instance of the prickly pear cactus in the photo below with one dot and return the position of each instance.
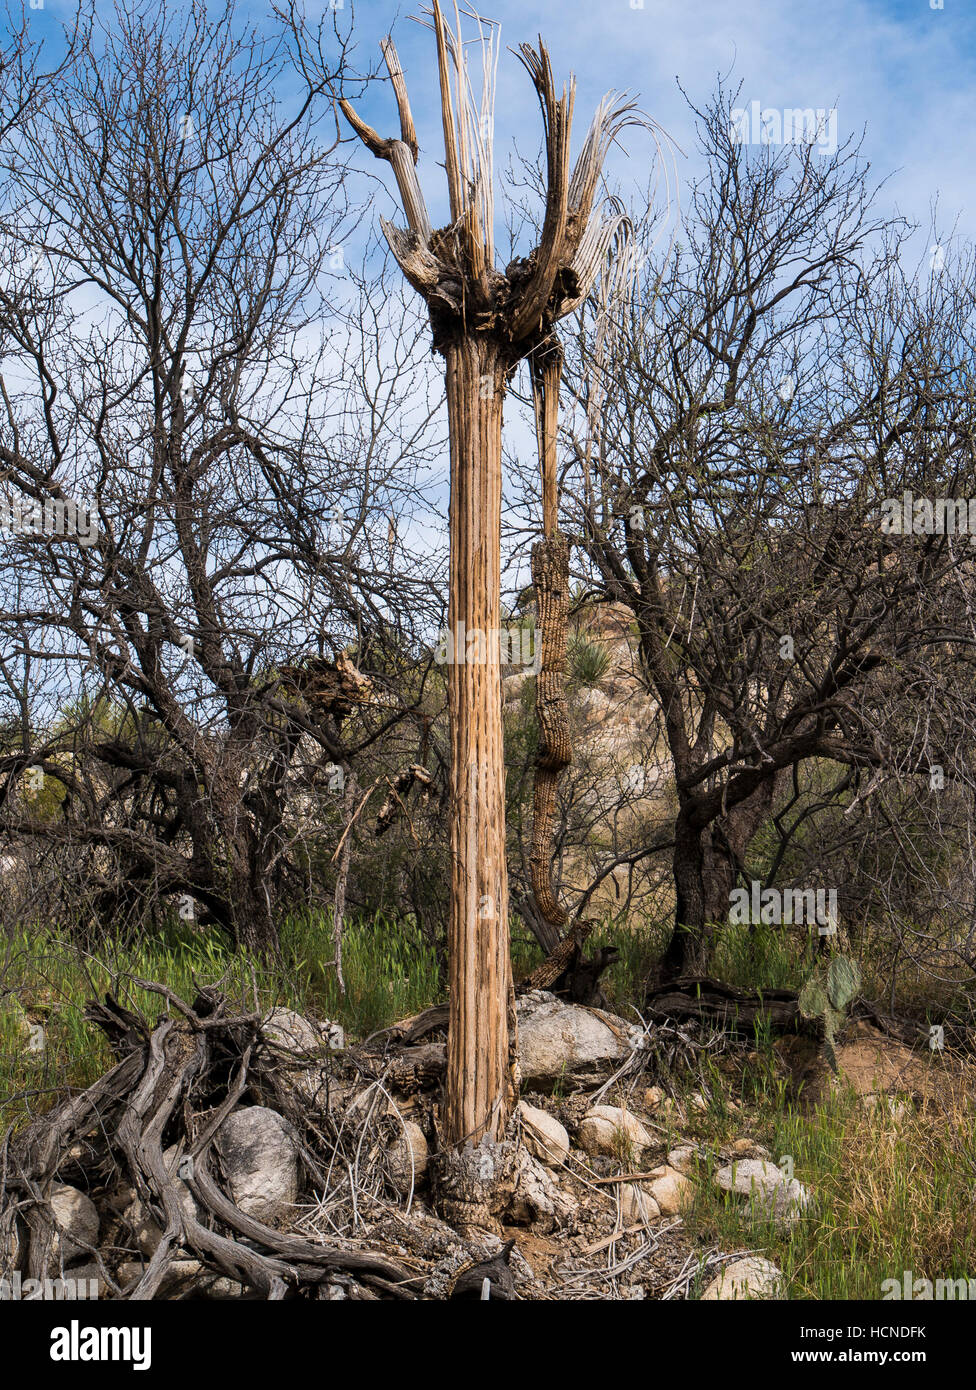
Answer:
(843, 981)
(813, 999)
(826, 995)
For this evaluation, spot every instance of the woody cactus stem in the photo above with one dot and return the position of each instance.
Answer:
(479, 961)
(550, 577)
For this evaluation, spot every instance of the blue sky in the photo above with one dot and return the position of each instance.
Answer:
(899, 70)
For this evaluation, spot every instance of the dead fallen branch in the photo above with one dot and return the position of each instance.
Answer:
(722, 1006)
(175, 1084)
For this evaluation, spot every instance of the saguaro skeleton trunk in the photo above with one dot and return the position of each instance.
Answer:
(550, 579)
(479, 1079)
(484, 322)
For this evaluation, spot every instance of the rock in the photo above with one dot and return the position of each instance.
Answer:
(30, 1035)
(76, 1221)
(409, 1157)
(747, 1175)
(748, 1148)
(142, 1225)
(606, 1129)
(290, 1030)
(746, 1279)
(89, 1282)
(697, 1103)
(260, 1159)
(512, 685)
(686, 1158)
(544, 1136)
(653, 1097)
(538, 1200)
(771, 1194)
(637, 1205)
(566, 1043)
(672, 1191)
(897, 1109)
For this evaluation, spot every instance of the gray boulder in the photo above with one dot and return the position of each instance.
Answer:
(260, 1159)
(567, 1043)
(76, 1223)
(769, 1192)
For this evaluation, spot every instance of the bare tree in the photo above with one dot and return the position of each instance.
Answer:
(208, 424)
(763, 395)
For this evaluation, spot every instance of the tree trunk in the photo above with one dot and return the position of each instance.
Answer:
(687, 950)
(706, 862)
(230, 845)
(480, 1090)
(550, 572)
(484, 322)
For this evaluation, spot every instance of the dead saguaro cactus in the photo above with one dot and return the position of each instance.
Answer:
(484, 322)
(550, 580)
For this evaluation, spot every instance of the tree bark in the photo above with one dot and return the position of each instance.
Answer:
(687, 950)
(550, 573)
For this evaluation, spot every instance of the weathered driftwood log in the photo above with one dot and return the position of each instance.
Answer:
(723, 1006)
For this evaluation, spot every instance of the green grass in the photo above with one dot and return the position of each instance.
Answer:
(892, 1193)
(389, 971)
